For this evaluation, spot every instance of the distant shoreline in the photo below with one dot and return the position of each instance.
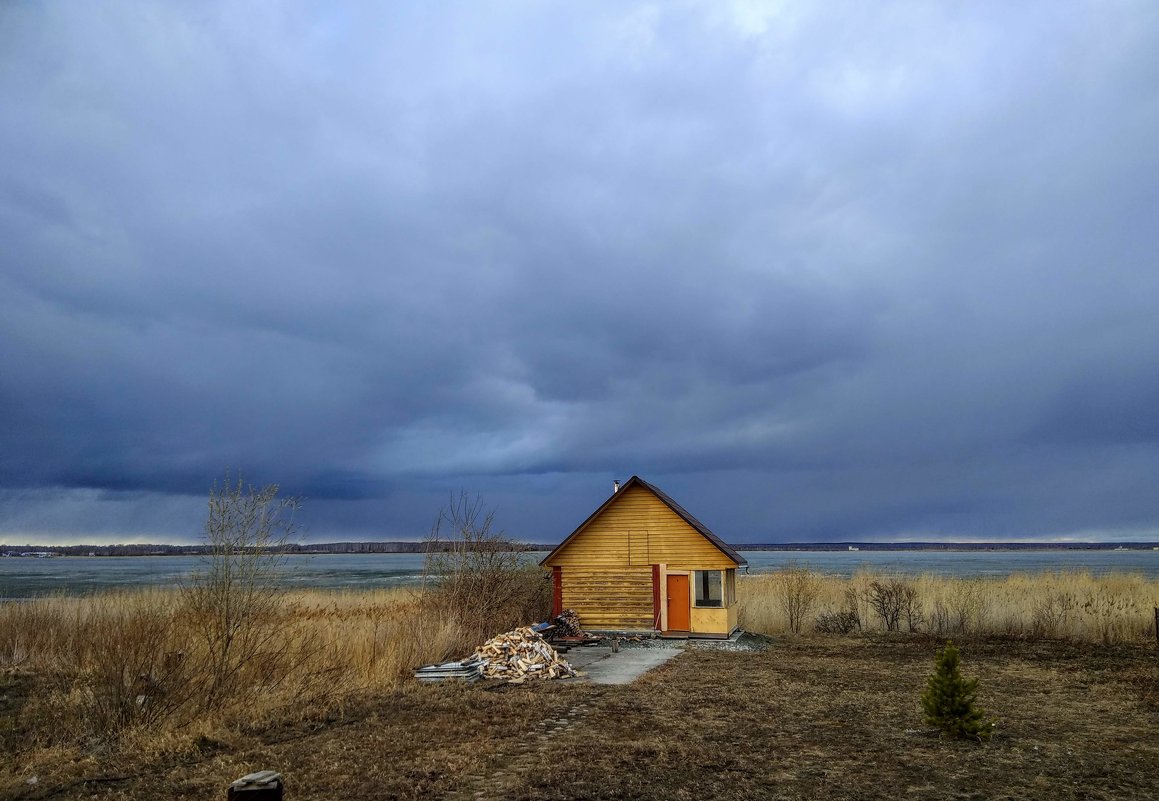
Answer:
(354, 548)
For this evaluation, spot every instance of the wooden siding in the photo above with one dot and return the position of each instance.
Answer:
(714, 620)
(640, 529)
(709, 620)
(618, 598)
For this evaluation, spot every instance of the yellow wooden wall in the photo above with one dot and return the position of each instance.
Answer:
(610, 598)
(606, 569)
(713, 619)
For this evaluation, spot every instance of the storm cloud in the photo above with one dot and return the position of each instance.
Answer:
(821, 271)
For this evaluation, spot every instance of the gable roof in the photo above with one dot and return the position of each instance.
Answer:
(721, 545)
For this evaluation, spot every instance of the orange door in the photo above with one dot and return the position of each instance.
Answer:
(678, 616)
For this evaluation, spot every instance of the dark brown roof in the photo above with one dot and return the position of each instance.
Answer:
(723, 546)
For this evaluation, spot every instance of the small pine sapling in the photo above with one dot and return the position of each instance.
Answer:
(949, 700)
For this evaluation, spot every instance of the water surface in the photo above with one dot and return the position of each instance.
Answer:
(959, 563)
(23, 578)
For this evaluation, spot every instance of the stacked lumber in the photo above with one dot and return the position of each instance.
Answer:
(468, 670)
(520, 655)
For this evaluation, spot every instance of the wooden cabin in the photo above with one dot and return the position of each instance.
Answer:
(641, 563)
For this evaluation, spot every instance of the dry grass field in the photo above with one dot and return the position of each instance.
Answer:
(818, 717)
(1067, 666)
(1074, 606)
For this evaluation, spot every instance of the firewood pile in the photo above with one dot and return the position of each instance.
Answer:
(520, 655)
(568, 624)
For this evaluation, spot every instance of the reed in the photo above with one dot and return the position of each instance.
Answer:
(1073, 605)
(111, 664)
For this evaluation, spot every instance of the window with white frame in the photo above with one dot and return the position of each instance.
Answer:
(709, 588)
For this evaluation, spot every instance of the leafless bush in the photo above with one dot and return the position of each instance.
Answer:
(845, 620)
(104, 678)
(838, 622)
(1052, 614)
(970, 606)
(123, 660)
(965, 608)
(893, 601)
(852, 605)
(911, 608)
(235, 604)
(477, 577)
(941, 618)
(797, 590)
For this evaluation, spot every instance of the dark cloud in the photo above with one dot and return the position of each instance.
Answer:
(820, 272)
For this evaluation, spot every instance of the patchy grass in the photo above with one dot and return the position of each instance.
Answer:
(16, 686)
(840, 718)
(822, 717)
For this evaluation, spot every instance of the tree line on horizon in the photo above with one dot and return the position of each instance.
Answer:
(147, 549)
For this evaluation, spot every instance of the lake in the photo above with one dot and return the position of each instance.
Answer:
(23, 578)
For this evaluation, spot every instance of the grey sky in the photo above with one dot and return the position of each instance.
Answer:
(821, 271)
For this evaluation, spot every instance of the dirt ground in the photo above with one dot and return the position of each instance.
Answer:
(812, 718)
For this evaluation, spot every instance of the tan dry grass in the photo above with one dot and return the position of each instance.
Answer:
(186, 659)
(78, 659)
(1073, 605)
(375, 635)
(810, 718)
(105, 665)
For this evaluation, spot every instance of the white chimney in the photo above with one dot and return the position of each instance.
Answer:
(615, 487)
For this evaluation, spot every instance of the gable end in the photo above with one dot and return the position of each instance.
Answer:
(679, 510)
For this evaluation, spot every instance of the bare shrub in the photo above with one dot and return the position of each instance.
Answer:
(125, 645)
(114, 669)
(858, 595)
(1051, 614)
(477, 577)
(852, 607)
(893, 600)
(234, 606)
(164, 659)
(969, 605)
(941, 619)
(964, 607)
(911, 608)
(835, 622)
(797, 589)
(844, 620)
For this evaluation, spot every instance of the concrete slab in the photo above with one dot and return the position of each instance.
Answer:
(599, 665)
